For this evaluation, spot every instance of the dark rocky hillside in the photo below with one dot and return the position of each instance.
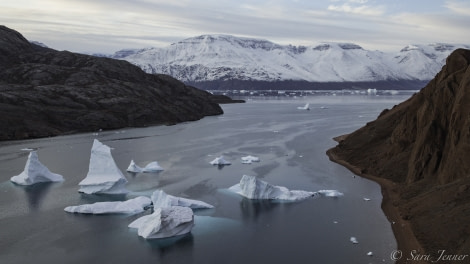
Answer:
(44, 92)
(421, 147)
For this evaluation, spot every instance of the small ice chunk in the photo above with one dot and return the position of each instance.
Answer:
(220, 161)
(305, 107)
(330, 193)
(249, 159)
(353, 240)
(372, 91)
(162, 199)
(165, 222)
(131, 206)
(152, 167)
(366, 199)
(370, 254)
(34, 172)
(253, 188)
(134, 167)
(103, 176)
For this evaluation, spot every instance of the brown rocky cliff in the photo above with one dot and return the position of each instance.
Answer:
(423, 146)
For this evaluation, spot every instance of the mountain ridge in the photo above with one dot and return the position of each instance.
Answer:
(216, 58)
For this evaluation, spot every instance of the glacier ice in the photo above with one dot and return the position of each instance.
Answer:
(253, 188)
(134, 167)
(305, 107)
(151, 167)
(34, 172)
(353, 240)
(162, 199)
(103, 174)
(220, 161)
(249, 159)
(330, 193)
(131, 206)
(165, 222)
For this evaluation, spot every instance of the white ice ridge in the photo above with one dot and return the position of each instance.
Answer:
(330, 193)
(34, 172)
(305, 107)
(131, 206)
(165, 222)
(151, 167)
(103, 176)
(253, 188)
(162, 199)
(220, 161)
(249, 159)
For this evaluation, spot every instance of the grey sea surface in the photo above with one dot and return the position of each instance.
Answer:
(291, 143)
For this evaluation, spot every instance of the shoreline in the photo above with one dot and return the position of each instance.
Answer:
(404, 235)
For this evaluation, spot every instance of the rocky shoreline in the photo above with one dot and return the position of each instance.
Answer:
(418, 152)
(44, 92)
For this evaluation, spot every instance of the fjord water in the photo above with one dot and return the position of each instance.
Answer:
(291, 144)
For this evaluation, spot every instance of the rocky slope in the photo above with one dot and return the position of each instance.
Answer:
(220, 59)
(419, 151)
(44, 92)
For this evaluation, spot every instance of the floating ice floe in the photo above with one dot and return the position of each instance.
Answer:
(249, 159)
(151, 167)
(330, 193)
(103, 174)
(165, 222)
(220, 161)
(34, 172)
(253, 188)
(353, 240)
(370, 254)
(131, 206)
(162, 199)
(366, 199)
(305, 107)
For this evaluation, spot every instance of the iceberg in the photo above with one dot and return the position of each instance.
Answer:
(330, 193)
(220, 161)
(131, 206)
(103, 176)
(134, 167)
(305, 107)
(162, 199)
(372, 91)
(249, 159)
(151, 167)
(252, 188)
(165, 222)
(353, 240)
(34, 172)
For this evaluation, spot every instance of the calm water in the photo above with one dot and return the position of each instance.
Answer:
(291, 144)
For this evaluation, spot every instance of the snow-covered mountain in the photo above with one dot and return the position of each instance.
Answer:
(224, 57)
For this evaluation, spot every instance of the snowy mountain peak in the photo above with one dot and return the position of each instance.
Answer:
(225, 57)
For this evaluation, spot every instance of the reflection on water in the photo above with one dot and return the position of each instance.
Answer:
(35, 193)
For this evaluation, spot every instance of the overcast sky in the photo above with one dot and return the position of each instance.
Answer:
(110, 25)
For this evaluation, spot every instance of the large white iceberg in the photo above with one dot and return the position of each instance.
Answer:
(131, 206)
(220, 161)
(151, 167)
(103, 176)
(249, 159)
(165, 222)
(162, 199)
(34, 172)
(253, 188)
